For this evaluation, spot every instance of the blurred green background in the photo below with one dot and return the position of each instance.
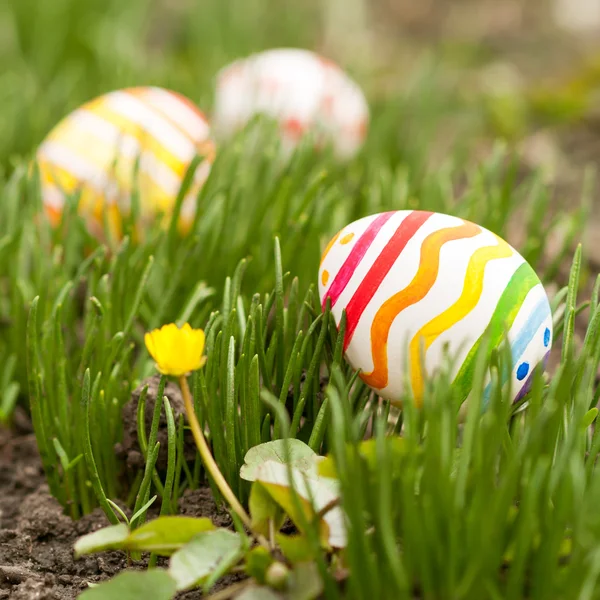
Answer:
(495, 68)
(57, 54)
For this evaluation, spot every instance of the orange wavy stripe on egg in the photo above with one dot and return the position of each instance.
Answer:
(371, 282)
(418, 288)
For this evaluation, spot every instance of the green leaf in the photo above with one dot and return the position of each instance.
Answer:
(165, 535)
(107, 538)
(62, 455)
(154, 584)
(264, 509)
(89, 454)
(258, 560)
(119, 511)
(203, 555)
(589, 417)
(326, 467)
(301, 456)
(296, 548)
(259, 593)
(396, 449)
(305, 582)
(309, 487)
(143, 509)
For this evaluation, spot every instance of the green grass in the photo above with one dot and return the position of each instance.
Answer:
(265, 332)
(502, 505)
(499, 507)
(257, 303)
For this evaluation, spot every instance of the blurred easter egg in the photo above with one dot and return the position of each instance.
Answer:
(418, 287)
(132, 141)
(301, 91)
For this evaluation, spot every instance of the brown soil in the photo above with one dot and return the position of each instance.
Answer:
(36, 537)
(129, 450)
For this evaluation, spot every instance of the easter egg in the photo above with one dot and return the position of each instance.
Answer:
(301, 91)
(136, 140)
(418, 287)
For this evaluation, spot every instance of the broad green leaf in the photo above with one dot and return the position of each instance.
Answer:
(305, 582)
(154, 584)
(274, 477)
(396, 448)
(258, 560)
(264, 509)
(165, 535)
(326, 467)
(107, 538)
(203, 555)
(301, 456)
(295, 548)
(259, 593)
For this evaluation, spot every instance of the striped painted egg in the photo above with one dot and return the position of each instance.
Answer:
(416, 285)
(301, 90)
(137, 139)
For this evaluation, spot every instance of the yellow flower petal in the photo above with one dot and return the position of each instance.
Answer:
(149, 344)
(175, 350)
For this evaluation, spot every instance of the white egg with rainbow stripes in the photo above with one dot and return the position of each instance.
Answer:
(139, 139)
(418, 286)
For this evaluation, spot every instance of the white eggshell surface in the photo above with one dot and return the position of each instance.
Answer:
(416, 285)
(301, 91)
(94, 150)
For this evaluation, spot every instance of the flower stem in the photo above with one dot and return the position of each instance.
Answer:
(207, 457)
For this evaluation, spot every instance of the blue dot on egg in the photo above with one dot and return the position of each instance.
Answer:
(522, 371)
(546, 337)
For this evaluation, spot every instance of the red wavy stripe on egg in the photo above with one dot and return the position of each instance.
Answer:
(380, 268)
(355, 257)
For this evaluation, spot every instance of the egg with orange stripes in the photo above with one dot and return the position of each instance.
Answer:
(131, 141)
(418, 287)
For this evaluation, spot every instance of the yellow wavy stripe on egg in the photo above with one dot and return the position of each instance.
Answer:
(415, 284)
(95, 149)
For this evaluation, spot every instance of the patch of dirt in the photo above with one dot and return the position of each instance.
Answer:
(129, 450)
(36, 537)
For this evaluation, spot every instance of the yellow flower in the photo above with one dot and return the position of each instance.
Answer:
(176, 351)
